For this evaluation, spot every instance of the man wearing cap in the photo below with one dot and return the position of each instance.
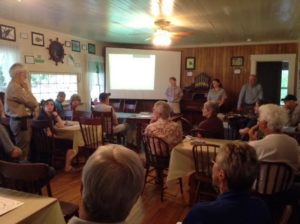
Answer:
(104, 106)
(290, 103)
(250, 93)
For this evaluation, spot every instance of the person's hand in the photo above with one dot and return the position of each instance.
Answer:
(16, 153)
(54, 114)
(25, 86)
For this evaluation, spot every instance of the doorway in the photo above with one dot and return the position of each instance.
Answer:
(273, 76)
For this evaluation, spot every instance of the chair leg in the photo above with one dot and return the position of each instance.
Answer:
(160, 178)
(180, 184)
(146, 175)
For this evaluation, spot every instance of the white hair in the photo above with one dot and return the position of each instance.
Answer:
(212, 106)
(163, 108)
(112, 179)
(16, 68)
(275, 116)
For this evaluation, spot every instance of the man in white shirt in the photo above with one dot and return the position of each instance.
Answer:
(275, 146)
(174, 95)
(104, 106)
(293, 108)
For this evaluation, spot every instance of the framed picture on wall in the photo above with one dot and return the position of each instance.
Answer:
(76, 45)
(29, 59)
(37, 39)
(237, 61)
(7, 32)
(91, 48)
(190, 63)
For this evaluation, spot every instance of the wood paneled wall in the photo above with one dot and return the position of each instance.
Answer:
(216, 62)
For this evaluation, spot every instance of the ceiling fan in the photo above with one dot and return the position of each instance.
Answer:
(163, 36)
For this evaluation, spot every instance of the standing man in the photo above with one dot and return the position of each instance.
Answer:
(249, 94)
(20, 104)
(174, 95)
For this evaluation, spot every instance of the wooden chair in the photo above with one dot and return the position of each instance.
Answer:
(129, 106)
(107, 127)
(32, 178)
(79, 113)
(203, 155)
(116, 105)
(157, 156)
(272, 185)
(45, 148)
(186, 126)
(42, 142)
(92, 135)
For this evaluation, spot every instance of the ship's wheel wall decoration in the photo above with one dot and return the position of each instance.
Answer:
(56, 51)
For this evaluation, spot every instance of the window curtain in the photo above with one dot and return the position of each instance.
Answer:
(8, 56)
(95, 77)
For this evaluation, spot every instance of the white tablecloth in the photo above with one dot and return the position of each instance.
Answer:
(182, 162)
(35, 210)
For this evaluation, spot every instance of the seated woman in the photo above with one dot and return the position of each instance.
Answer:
(8, 150)
(212, 126)
(162, 127)
(75, 102)
(49, 113)
(250, 131)
(216, 93)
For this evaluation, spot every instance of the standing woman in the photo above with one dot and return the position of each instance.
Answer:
(217, 94)
(20, 105)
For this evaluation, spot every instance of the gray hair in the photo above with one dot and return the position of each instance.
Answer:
(113, 179)
(275, 116)
(240, 165)
(16, 68)
(212, 106)
(163, 108)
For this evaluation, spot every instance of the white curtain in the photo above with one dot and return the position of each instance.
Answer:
(8, 56)
(95, 76)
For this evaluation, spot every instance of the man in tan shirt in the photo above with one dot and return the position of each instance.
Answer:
(20, 104)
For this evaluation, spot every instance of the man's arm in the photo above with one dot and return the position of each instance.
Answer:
(241, 97)
(260, 92)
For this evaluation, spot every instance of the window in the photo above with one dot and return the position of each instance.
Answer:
(96, 77)
(284, 84)
(47, 85)
(8, 56)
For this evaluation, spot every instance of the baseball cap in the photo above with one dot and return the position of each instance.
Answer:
(289, 97)
(103, 96)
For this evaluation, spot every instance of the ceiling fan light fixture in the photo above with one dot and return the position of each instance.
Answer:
(162, 38)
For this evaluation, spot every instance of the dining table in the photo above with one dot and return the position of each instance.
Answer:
(139, 120)
(31, 209)
(181, 158)
(70, 131)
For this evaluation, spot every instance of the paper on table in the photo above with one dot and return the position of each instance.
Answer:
(7, 205)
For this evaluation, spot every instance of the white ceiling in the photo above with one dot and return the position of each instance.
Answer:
(196, 22)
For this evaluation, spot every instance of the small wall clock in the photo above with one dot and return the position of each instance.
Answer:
(56, 51)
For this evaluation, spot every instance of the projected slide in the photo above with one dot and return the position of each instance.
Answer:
(132, 71)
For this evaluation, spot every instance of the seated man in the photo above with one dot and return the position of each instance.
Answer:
(275, 146)
(290, 103)
(10, 151)
(61, 96)
(104, 106)
(233, 173)
(112, 181)
(162, 127)
(212, 126)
